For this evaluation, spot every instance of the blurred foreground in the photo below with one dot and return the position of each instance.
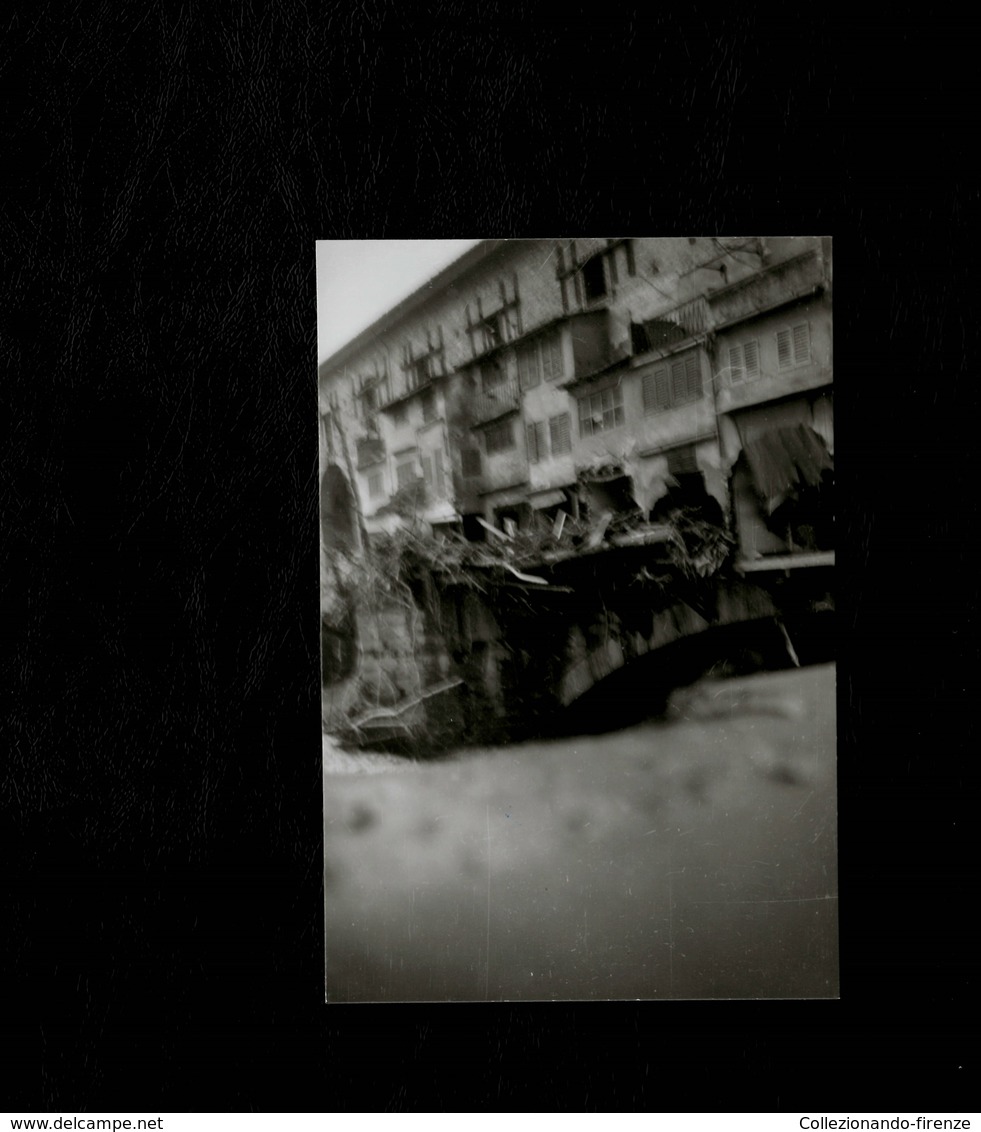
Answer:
(694, 858)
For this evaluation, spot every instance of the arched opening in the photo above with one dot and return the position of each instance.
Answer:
(338, 515)
(641, 689)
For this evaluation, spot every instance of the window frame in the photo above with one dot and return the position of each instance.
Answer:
(499, 429)
(791, 337)
(555, 423)
(471, 466)
(410, 466)
(373, 478)
(536, 441)
(545, 355)
(740, 371)
(588, 415)
(659, 385)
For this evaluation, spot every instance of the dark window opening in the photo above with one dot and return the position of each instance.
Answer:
(594, 278)
(519, 514)
(472, 530)
(470, 462)
(499, 437)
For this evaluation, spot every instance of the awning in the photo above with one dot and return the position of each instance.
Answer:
(784, 460)
(542, 499)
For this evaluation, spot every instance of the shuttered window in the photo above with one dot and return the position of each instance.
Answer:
(794, 345)
(682, 462)
(375, 485)
(537, 442)
(744, 361)
(677, 384)
(540, 359)
(427, 469)
(802, 343)
(428, 406)
(529, 372)
(560, 433)
(551, 347)
(406, 473)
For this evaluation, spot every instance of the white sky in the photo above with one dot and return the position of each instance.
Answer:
(358, 280)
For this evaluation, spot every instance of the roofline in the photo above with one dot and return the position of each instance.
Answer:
(391, 318)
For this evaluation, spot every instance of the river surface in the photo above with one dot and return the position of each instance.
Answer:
(693, 857)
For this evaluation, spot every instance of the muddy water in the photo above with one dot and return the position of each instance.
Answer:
(694, 858)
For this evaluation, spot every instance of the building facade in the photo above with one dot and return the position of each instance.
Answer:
(588, 378)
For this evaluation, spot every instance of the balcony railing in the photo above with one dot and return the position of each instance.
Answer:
(679, 324)
(494, 401)
(776, 285)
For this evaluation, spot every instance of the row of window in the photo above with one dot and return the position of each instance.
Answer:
(668, 386)
(673, 384)
(793, 349)
(553, 436)
(433, 474)
(539, 360)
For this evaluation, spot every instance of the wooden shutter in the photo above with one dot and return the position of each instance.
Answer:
(678, 383)
(784, 349)
(560, 433)
(737, 370)
(552, 356)
(662, 389)
(531, 437)
(751, 358)
(693, 378)
(682, 461)
(802, 344)
(528, 372)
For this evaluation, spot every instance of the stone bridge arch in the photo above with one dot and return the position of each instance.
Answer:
(610, 645)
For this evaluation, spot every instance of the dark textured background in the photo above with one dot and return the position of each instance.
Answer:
(164, 178)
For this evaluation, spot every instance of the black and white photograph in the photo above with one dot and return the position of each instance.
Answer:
(578, 664)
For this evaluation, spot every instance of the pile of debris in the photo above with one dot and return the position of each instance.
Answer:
(526, 557)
